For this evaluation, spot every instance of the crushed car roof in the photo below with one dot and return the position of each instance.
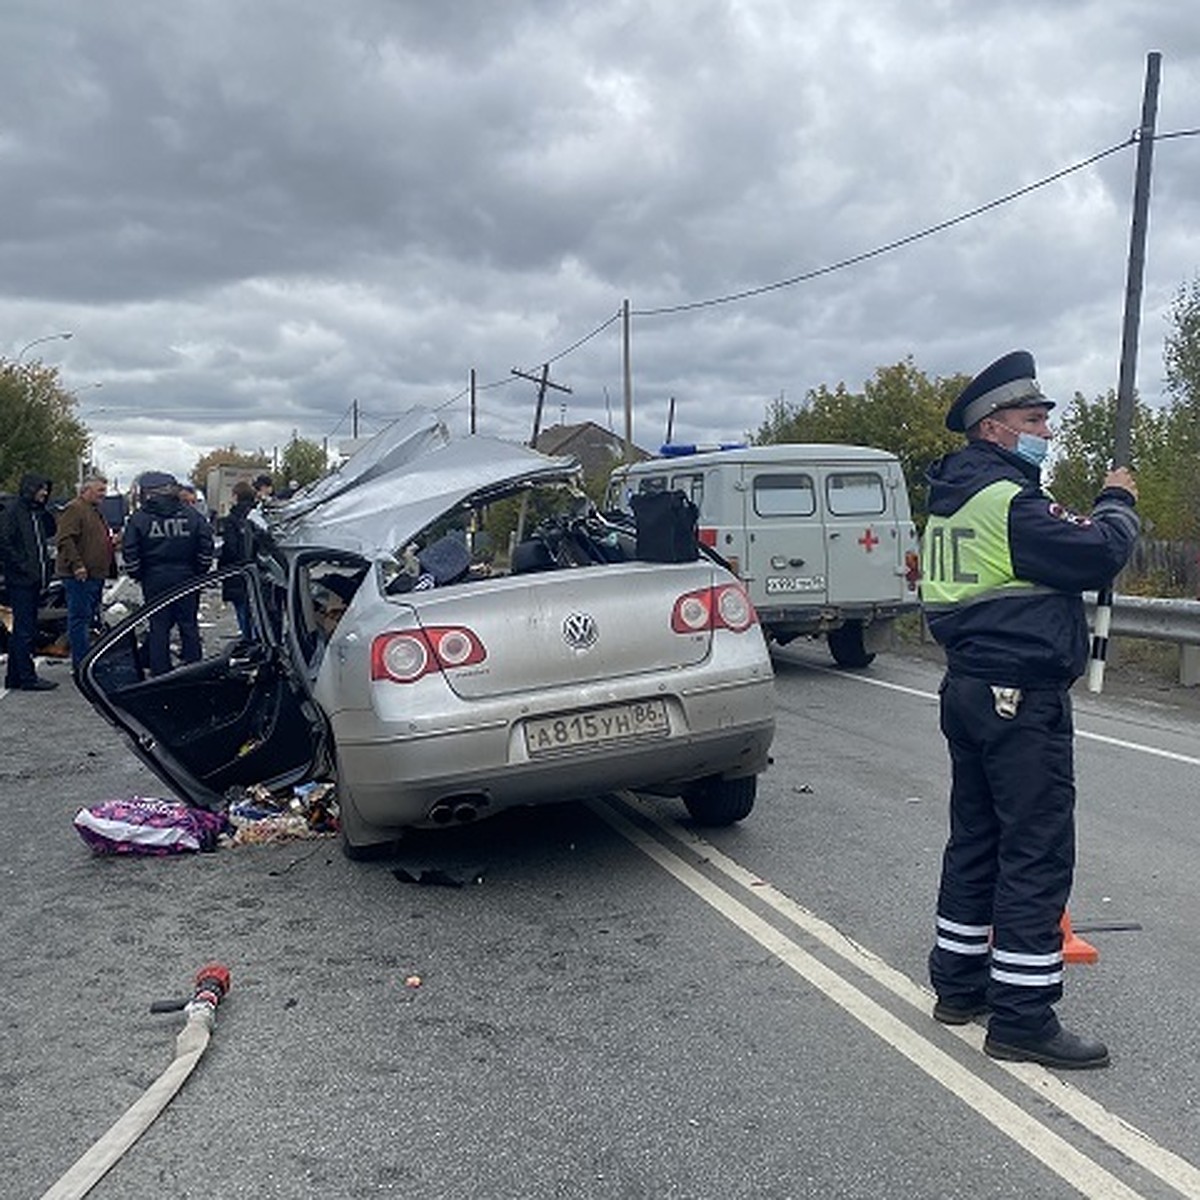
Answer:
(399, 483)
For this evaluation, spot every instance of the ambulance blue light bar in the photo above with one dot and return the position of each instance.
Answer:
(683, 449)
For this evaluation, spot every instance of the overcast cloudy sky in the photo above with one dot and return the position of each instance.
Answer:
(253, 215)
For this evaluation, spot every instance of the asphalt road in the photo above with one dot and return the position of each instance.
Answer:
(613, 1004)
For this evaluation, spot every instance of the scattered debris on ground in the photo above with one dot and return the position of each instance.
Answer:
(255, 816)
(258, 815)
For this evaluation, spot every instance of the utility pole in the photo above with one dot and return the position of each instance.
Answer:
(1137, 263)
(543, 381)
(472, 399)
(628, 382)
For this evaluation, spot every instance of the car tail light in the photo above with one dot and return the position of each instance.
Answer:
(912, 569)
(707, 537)
(404, 657)
(726, 606)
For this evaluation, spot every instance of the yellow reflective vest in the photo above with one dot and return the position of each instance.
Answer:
(965, 557)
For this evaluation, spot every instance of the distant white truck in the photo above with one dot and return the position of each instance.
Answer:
(822, 534)
(218, 487)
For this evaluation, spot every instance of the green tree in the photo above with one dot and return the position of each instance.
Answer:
(1163, 457)
(1083, 446)
(227, 456)
(1168, 475)
(39, 430)
(1181, 433)
(1181, 351)
(899, 409)
(303, 462)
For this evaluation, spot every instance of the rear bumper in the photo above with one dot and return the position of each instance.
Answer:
(396, 779)
(798, 619)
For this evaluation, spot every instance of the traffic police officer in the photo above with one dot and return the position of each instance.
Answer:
(165, 543)
(1003, 568)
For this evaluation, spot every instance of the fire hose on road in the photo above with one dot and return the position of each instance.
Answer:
(212, 984)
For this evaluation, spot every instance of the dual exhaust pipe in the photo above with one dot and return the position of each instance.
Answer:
(462, 809)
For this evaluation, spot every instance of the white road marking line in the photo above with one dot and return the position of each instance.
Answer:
(1053, 1151)
(1167, 1166)
(1189, 759)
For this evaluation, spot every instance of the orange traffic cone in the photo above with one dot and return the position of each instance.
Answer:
(1075, 949)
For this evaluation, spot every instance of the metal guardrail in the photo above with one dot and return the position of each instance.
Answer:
(1160, 620)
(1151, 617)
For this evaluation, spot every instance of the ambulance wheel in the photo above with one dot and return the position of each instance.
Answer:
(721, 801)
(847, 646)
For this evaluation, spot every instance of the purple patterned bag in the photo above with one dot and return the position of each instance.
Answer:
(142, 825)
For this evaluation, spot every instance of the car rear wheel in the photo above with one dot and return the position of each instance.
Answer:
(848, 645)
(722, 801)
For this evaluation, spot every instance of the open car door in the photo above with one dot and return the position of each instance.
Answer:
(237, 716)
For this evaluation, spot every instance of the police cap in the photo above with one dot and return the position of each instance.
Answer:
(156, 481)
(1010, 382)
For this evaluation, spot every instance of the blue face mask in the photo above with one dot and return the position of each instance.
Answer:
(1032, 448)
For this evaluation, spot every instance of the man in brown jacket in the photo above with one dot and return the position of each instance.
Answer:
(84, 559)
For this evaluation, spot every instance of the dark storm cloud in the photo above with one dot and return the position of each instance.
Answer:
(253, 216)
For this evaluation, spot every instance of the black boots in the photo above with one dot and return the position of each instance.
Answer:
(1064, 1050)
(958, 1012)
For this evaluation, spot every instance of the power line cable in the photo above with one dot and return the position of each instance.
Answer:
(586, 338)
(888, 247)
(841, 264)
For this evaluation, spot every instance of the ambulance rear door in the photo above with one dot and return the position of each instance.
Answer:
(785, 563)
(864, 535)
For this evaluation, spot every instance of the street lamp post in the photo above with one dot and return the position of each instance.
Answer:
(85, 463)
(50, 337)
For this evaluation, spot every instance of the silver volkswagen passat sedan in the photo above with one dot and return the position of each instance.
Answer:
(447, 628)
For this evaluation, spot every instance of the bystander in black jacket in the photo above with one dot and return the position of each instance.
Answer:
(26, 528)
(237, 541)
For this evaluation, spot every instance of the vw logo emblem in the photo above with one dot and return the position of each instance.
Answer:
(579, 631)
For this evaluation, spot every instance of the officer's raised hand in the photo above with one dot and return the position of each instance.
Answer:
(1121, 477)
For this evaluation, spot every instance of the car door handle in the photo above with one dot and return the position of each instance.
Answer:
(244, 668)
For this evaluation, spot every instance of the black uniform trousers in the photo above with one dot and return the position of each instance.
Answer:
(1010, 858)
(183, 614)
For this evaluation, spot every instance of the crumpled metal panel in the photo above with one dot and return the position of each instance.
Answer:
(403, 480)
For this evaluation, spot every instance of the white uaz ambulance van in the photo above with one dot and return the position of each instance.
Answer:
(821, 534)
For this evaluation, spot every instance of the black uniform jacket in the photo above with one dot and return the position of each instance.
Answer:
(166, 542)
(1040, 638)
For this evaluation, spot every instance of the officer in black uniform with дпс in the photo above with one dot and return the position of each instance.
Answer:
(1003, 568)
(167, 542)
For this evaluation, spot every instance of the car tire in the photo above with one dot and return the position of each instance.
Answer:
(722, 801)
(848, 647)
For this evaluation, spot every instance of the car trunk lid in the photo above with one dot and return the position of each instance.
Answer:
(570, 626)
